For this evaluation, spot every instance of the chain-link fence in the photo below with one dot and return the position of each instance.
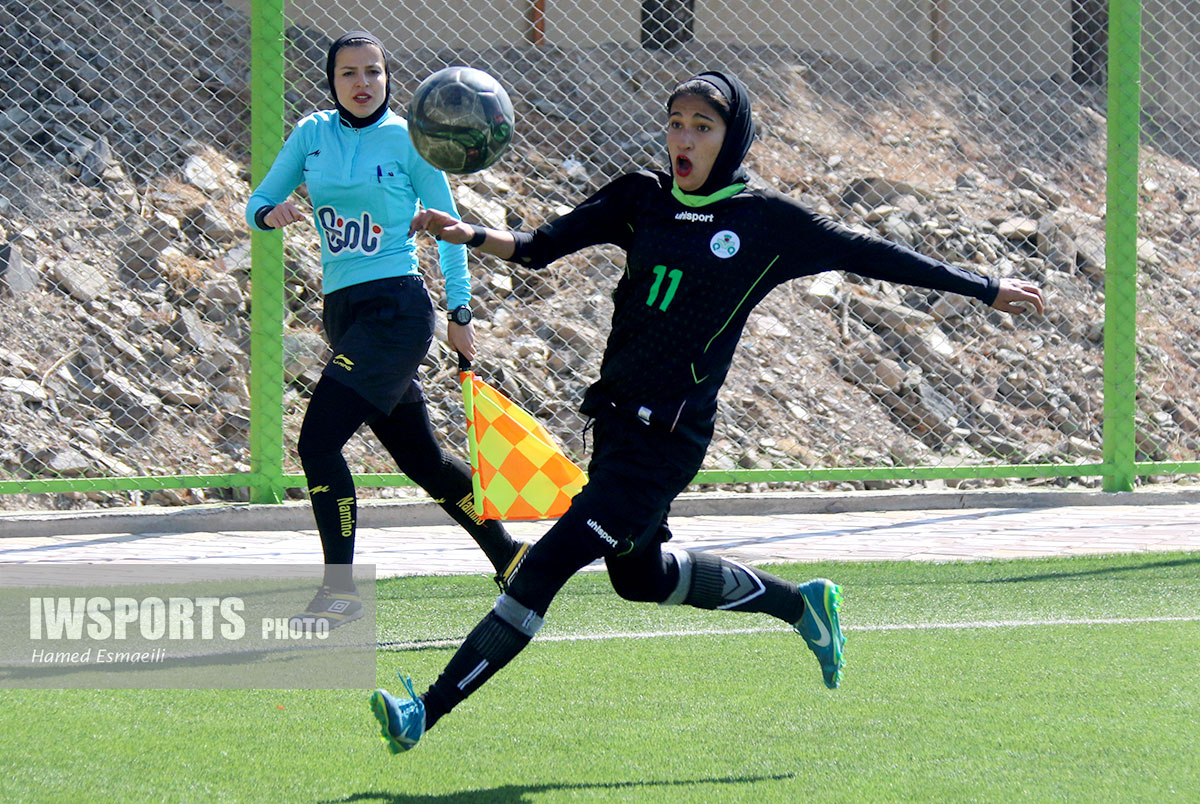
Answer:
(976, 132)
(123, 305)
(1168, 383)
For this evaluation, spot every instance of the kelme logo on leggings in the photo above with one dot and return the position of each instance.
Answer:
(346, 515)
(349, 234)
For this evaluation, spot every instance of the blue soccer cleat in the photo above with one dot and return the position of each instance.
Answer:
(820, 629)
(402, 722)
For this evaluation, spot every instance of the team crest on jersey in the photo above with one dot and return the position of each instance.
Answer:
(359, 234)
(724, 244)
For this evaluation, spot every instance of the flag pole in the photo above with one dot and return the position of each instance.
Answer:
(466, 378)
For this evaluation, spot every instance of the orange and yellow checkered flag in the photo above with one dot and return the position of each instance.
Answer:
(517, 469)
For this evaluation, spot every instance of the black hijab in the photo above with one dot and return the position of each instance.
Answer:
(739, 133)
(354, 39)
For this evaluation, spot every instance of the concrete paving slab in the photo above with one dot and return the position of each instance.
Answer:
(419, 539)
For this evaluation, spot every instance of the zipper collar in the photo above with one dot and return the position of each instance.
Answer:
(345, 126)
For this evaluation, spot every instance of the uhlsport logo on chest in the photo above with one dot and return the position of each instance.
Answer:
(342, 233)
(724, 244)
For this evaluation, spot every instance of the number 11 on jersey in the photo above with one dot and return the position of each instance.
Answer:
(674, 275)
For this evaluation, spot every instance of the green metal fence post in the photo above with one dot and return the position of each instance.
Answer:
(266, 255)
(1121, 228)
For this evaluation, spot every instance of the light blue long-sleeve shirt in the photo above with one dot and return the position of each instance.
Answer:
(364, 185)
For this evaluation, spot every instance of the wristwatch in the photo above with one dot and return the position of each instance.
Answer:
(460, 315)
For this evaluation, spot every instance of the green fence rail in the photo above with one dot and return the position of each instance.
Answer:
(266, 300)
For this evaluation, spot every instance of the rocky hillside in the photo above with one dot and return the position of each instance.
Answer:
(124, 273)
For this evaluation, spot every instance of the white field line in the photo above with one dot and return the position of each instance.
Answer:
(961, 626)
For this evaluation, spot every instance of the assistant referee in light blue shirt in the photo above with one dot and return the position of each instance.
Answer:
(365, 179)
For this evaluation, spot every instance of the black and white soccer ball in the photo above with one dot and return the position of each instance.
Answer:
(460, 120)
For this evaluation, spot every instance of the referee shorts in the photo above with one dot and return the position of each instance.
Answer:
(380, 331)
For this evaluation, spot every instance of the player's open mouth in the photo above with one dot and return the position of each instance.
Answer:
(364, 98)
(683, 165)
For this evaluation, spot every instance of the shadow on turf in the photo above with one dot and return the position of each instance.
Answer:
(1139, 566)
(514, 794)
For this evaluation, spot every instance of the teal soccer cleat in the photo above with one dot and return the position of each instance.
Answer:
(402, 722)
(820, 629)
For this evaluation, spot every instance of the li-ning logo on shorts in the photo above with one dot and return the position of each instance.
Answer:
(341, 361)
(345, 234)
(724, 244)
(695, 217)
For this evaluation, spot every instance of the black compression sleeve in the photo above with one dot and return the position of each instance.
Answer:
(521, 247)
(821, 244)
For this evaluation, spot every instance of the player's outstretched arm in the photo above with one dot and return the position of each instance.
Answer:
(1017, 296)
(444, 226)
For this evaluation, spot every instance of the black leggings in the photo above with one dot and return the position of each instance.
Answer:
(334, 414)
(646, 575)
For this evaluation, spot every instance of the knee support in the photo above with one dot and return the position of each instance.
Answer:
(710, 582)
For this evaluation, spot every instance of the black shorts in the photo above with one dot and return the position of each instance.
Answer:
(380, 331)
(636, 471)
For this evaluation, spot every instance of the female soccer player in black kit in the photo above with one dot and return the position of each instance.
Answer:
(703, 248)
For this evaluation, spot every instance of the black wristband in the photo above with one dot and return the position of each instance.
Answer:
(260, 217)
(479, 237)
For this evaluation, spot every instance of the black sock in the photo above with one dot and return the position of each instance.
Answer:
(340, 578)
(489, 647)
(718, 583)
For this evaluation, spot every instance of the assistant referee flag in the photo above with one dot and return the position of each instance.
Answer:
(517, 468)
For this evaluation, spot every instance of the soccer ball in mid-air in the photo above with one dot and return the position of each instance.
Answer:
(460, 120)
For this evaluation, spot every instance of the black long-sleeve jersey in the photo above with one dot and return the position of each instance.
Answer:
(694, 271)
